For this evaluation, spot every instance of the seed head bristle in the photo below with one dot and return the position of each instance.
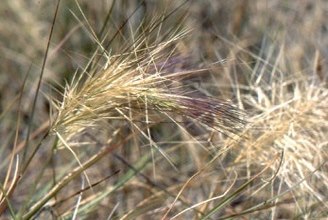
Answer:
(133, 83)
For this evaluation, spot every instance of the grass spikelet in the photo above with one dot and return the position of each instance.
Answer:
(140, 82)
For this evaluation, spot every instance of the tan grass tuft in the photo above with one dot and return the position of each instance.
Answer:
(291, 120)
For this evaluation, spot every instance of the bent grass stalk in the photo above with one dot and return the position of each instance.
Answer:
(68, 178)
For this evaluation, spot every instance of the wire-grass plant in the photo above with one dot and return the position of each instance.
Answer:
(136, 86)
(121, 134)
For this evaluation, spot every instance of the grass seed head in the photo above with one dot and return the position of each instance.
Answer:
(140, 82)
